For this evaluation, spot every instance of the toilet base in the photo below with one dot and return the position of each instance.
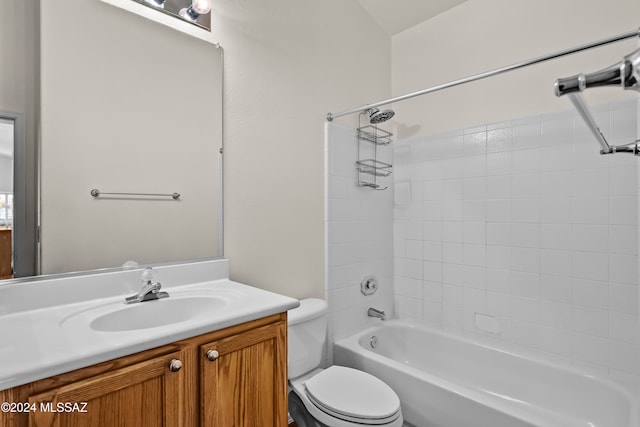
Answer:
(299, 413)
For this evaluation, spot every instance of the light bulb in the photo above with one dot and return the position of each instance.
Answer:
(202, 7)
(197, 8)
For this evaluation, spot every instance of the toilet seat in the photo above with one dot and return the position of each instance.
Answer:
(352, 396)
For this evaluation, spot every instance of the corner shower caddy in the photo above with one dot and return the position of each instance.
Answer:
(372, 134)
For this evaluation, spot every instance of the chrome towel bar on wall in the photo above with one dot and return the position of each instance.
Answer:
(97, 193)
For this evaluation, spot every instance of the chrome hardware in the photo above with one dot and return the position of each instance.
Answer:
(373, 312)
(97, 193)
(373, 342)
(625, 74)
(630, 34)
(150, 289)
(374, 134)
(605, 148)
(213, 355)
(369, 285)
(372, 166)
(175, 365)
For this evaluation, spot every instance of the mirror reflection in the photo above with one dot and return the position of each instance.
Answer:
(133, 110)
(6, 197)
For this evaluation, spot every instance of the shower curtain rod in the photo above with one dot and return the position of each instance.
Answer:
(619, 37)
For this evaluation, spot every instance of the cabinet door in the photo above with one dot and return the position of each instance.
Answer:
(149, 393)
(243, 379)
(6, 255)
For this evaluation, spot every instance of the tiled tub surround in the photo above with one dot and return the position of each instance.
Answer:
(359, 234)
(522, 222)
(521, 234)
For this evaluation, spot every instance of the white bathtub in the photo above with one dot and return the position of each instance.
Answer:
(446, 381)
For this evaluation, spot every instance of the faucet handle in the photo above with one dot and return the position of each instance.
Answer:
(150, 289)
(148, 275)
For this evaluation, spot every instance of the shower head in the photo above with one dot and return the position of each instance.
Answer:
(377, 116)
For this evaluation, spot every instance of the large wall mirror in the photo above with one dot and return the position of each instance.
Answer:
(122, 104)
(8, 131)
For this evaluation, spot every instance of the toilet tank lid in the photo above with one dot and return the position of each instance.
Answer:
(309, 308)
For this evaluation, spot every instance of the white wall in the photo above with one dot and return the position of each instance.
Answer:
(128, 105)
(482, 35)
(525, 222)
(288, 63)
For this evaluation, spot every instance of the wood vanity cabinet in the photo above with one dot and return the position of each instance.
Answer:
(6, 254)
(239, 377)
(143, 394)
(234, 377)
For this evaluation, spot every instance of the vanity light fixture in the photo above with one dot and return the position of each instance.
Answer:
(195, 12)
(197, 8)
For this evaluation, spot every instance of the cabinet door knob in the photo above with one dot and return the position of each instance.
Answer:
(175, 365)
(212, 355)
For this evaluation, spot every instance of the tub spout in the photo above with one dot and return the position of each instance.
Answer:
(373, 312)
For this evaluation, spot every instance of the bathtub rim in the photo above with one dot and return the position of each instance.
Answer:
(352, 343)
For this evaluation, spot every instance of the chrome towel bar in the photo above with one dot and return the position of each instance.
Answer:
(97, 193)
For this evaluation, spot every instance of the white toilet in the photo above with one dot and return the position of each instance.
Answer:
(337, 396)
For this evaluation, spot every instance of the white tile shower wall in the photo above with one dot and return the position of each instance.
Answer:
(524, 221)
(359, 226)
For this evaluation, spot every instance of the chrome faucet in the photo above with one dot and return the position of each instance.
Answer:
(373, 312)
(150, 289)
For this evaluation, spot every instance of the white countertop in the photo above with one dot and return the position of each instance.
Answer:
(46, 340)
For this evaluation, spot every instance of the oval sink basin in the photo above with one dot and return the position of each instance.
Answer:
(152, 314)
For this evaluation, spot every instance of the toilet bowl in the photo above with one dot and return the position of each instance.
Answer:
(337, 396)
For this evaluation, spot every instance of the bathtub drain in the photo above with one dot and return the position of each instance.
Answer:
(373, 342)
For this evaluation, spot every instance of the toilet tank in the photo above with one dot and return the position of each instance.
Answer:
(307, 331)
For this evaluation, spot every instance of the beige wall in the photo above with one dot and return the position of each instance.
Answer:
(288, 63)
(18, 56)
(482, 35)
